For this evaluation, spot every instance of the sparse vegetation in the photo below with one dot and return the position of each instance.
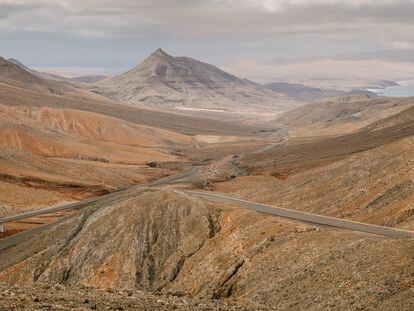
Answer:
(152, 164)
(201, 183)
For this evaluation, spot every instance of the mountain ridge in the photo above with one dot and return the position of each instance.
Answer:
(43, 75)
(163, 80)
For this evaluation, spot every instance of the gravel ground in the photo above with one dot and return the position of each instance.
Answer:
(58, 297)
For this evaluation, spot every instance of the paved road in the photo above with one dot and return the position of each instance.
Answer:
(262, 208)
(105, 199)
(307, 217)
(78, 205)
(20, 237)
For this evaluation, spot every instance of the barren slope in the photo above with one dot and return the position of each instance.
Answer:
(12, 72)
(17, 76)
(170, 82)
(297, 154)
(374, 186)
(36, 181)
(42, 75)
(21, 133)
(339, 116)
(87, 101)
(55, 155)
(366, 175)
(79, 123)
(168, 242)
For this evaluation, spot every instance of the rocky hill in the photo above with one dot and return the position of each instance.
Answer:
(36, 73)
(12, 72)
(15, 74)
(168, 243)
(181, 82)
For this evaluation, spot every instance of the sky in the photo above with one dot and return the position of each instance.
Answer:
(110, 36)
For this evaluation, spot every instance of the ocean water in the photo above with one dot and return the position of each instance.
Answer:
(403, 89)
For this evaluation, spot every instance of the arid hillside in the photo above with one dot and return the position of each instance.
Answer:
(42, 75)
(48, 154)
(37, 181)
(167, 242)
(58, 147)
(87, 101)
(161, 247)
(341, 115)
(17, 90)
(14, 74)
(51, 155)
(82, 124)
(81, 135)
(366, 175)
(180, 82)
(11, 72)
(298, 153)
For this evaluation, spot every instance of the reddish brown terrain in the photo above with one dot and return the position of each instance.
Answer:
(142, 246)
(168, 243)
(365, 175)
(73, 153)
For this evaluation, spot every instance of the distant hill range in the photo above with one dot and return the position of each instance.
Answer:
(165, 81)
(310, 94)
(89, 79)
(12, 72)
(36, 73)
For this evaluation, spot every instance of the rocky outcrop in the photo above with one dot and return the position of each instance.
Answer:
(170, 243)
(136, 243)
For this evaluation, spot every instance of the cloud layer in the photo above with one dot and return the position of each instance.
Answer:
(118, 33)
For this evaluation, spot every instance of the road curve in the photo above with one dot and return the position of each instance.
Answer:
(78, 205)
(113, 196)
(306, 217)
(261, 208)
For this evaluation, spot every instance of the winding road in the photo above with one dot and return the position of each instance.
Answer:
(258, 207)
(78, 205)
(306, 217)
(104, 199)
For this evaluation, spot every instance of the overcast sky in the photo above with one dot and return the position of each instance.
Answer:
(109, 36)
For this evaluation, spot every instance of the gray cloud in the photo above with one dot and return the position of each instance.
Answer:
(119, 33)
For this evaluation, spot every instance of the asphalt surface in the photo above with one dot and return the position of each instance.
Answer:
(307, 217)
(104, 199)
(78, 205)
(261, 208)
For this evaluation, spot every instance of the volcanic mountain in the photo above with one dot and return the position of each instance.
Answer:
(165, 81)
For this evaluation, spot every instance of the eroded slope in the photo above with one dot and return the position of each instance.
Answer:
(175, 82)
(167, 242)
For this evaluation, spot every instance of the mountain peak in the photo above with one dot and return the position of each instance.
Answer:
(166, 81)
(155, 59)
(160, 53)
